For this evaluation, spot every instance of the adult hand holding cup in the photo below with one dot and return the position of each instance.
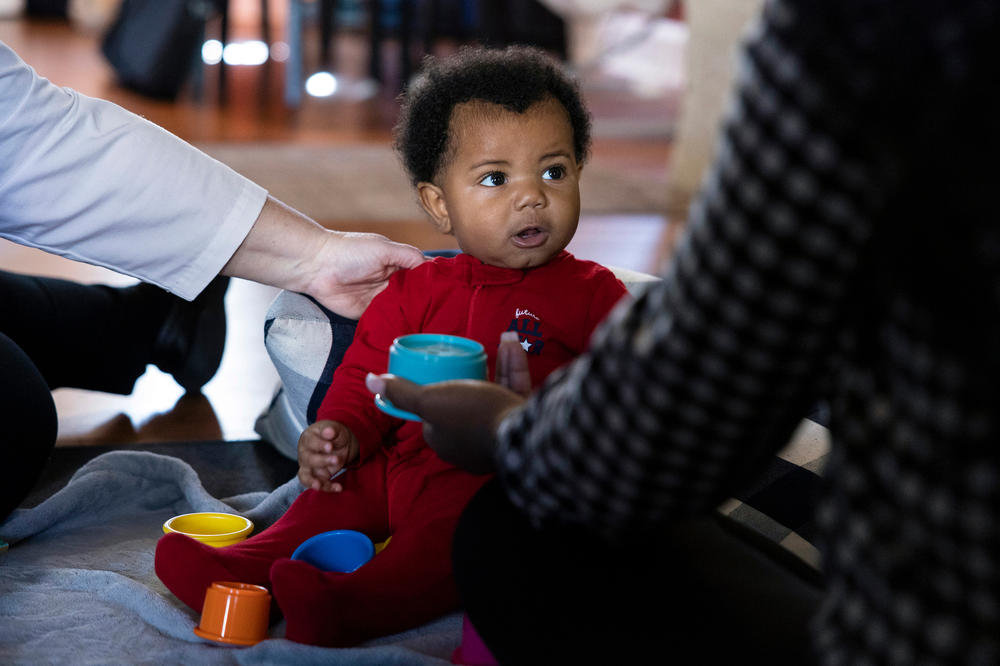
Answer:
(429, 358)
(461, 417)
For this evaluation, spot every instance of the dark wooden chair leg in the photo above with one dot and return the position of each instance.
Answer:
(224, 38)
(431, 25)
(327, 24)
(376, 36)
(265, 22)
(406, 13)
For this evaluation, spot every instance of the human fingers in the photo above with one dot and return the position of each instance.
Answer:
(318, 436)
(320, 454)
(460, 416)
(404, 391)
(512, 364)
(356, 267)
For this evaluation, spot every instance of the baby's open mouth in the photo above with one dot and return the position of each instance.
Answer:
(530, 237)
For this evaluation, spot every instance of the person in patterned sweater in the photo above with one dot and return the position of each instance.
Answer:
(845, 245)
(494, 141)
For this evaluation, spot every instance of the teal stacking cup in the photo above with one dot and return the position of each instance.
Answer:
(426, 358)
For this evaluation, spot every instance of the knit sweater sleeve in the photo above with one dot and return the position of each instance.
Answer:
(703, 378)
(606, 291)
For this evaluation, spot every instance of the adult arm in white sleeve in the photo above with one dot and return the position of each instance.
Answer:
(88, 180)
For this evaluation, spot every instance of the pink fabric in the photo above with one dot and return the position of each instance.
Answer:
(472, 651)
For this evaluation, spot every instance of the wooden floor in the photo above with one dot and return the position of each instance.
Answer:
(253, 110)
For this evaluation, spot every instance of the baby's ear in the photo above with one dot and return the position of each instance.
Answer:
(432, 199)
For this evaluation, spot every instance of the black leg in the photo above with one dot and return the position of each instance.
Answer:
(29, 418)
(693, 590)
(80, 335)
(375, 52)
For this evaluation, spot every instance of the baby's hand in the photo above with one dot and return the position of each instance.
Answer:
(325, 448)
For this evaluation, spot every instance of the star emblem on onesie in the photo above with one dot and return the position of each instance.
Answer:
(526, 345)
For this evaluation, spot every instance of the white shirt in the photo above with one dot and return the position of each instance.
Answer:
(88, 180)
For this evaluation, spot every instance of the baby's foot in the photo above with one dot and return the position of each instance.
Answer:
(187, 567)
(307, 599)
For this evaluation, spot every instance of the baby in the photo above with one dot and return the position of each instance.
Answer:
(494, 142)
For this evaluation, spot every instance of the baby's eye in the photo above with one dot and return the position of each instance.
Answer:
(557, 172)
(494, 179)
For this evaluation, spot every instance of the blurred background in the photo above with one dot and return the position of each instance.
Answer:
(301, 96)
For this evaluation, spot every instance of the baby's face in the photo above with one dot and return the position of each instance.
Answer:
(510, 191)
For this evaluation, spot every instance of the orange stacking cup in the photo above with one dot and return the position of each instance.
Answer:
(235, 613)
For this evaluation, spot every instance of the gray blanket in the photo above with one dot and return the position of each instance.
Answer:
(77, 584)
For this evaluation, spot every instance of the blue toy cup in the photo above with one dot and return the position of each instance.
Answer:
(426, 358)
(340, 550)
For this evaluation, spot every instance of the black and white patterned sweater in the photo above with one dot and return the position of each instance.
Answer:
(845, 246)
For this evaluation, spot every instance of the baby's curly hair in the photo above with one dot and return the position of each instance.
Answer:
(516, 78)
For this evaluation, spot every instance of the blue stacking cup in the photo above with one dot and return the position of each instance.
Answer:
(339, 550)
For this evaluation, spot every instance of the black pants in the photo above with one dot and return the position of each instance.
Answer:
(56, 333)
(706, 591)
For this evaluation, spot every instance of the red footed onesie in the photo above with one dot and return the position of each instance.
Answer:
(399, 487)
